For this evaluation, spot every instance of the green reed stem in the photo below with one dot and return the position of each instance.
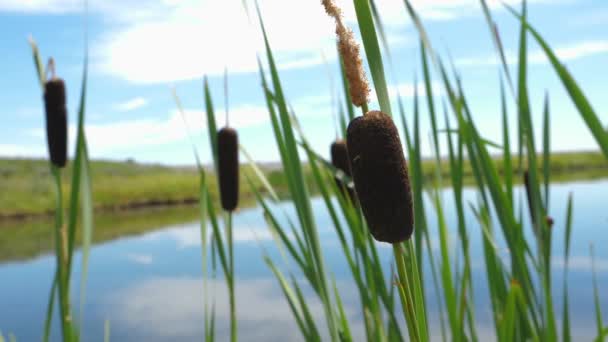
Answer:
(406, 294)
(230, 278)
(61, 256)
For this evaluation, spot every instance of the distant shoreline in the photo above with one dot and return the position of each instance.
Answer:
(26, 188)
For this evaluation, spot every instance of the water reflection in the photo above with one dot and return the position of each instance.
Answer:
(145, 274)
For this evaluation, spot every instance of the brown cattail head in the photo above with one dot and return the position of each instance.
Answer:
(381, 177)
(228, 160)
(339, 159)
(56, 121)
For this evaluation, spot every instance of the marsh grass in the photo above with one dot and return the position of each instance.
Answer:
(519, 286)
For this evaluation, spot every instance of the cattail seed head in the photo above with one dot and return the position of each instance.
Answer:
(228, 168)
(339, 159)
(381, 177)
(56, 121)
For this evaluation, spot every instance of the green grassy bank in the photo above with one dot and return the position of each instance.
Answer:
(26, 185)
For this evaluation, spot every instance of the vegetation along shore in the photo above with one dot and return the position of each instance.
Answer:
(26, 189)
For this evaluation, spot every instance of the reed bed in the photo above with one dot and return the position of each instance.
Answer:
(391, 196)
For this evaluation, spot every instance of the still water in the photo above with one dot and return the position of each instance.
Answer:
(145, 274)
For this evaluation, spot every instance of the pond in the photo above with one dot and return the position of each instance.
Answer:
(145, 273)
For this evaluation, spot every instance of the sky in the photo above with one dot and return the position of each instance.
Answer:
(139, 50)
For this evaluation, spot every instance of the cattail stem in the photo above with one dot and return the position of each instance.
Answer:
(62, 277)
(230, 278)
(50, 68)
(405, 293)
(226, 96)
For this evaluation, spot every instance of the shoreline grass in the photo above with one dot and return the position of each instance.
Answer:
(122, 186)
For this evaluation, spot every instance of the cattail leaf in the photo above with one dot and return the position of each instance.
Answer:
(497, 43)
(546, 150)
(596, 297)
(38, 63)
(291, 298)
(106, 331)
(211, 126)
(372, 52)
(259, 174)
(49, 310)
(507, 163)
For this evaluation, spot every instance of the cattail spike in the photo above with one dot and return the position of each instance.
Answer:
(228, 160)
(381, 178)
(56, 121)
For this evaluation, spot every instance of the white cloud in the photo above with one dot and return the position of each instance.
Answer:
(194, 38)
(565, 53)
(131, 104)
(190, 235)
(162, 41)
(172, 308)
(21, 151)
(581, 263)
(142, 259)
(41, 6)
(104, 137)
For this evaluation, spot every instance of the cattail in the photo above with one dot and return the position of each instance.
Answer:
(339, 159)
(56, 121)
(228, 160)
(549, 220)
(381, 177)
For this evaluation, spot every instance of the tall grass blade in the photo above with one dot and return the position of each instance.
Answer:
(566, 333)
(497, 43)
(546, 150)
(372, 51)
(596, 298)
(106, 331)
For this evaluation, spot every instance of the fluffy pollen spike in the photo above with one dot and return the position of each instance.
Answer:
(56, 121)
(228, 160)
(381, 177)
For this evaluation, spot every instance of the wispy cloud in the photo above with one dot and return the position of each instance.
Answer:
(565, 53)
(131, 104)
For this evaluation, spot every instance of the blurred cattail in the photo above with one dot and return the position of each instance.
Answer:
(228, 160)
(56, 120)
(381, 177)
(549, 220)
(339, 159)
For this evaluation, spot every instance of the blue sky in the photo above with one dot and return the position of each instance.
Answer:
(139, 49)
